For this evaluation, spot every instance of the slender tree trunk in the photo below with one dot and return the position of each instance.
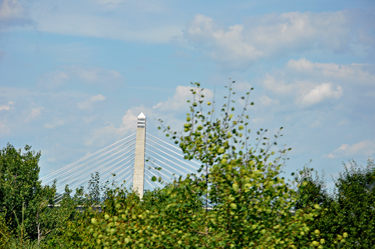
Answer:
(39, 231)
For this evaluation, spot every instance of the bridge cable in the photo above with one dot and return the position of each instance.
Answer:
(168, 177)
(84, 158)
(96, 163)
(168, 160)
(173, 146)
(80, 165)
(103, 176)
(182, 173)
(175, 157)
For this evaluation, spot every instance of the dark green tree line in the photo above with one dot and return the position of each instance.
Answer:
(350, 208)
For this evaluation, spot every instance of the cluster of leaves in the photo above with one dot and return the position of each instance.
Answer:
(4, 233)
(350, 209)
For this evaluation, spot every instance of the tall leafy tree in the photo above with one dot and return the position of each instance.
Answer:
(237, 199)
(353, 207)
(25, 203)
(349, 210)
(311, 189)
(19, 187)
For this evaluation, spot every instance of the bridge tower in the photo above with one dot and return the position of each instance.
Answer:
(139, 161)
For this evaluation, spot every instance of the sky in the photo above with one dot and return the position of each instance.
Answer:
(74, 75)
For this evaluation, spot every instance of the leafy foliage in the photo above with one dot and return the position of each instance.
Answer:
(21, 194)
(4, 233)
(350, 210)
(236, 200)
(314, 190)
(25, 203)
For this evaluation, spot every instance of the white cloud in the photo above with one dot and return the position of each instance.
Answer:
(53, 80)
(266, 101)
(179, 99)
(98, 97)
(242, 86)
(35, 113)
(110, 19)
(321, 93)
(308, 83)
(85, 105)
(278, 85)
(54, 124)
(7, 107)
(111, 133)
(364, 148)
(273, 35)
(157, 105)
(354, 72)
(95, 74)
(11, 9)
(92, 75)
(12, 13)
(343, 122)
(222, 44)
(4, 129)
(168, 111)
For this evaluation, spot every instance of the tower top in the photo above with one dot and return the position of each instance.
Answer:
(141, 116)
(141, 123)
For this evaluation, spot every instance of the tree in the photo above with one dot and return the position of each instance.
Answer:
(19, 188)
(351, 209)
(250, 203)
(25, 203)
(314, 191)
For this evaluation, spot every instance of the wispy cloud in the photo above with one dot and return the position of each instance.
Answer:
(13, 13)
(94, 74)
(110, 19)
(85, 105)
(310, 83)
(363, 148)
(109, 132)
(273, 35)
(178, 101)
(7, 107)
(89, 75)
(56, 122)
(321, 93)
(53, 79)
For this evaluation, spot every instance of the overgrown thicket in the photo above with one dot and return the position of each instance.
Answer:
(237, 199)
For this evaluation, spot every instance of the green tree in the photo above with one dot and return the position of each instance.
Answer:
(25, 204)
(351, 209)
(19, 187)
(237, 199)
(314, 191)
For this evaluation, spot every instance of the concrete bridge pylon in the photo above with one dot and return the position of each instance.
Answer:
(139, 161)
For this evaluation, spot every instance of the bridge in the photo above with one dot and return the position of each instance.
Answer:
(134, 160)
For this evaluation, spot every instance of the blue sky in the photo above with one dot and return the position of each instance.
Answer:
(75, 74)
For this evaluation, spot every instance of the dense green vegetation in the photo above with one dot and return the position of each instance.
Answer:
(252, 205)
